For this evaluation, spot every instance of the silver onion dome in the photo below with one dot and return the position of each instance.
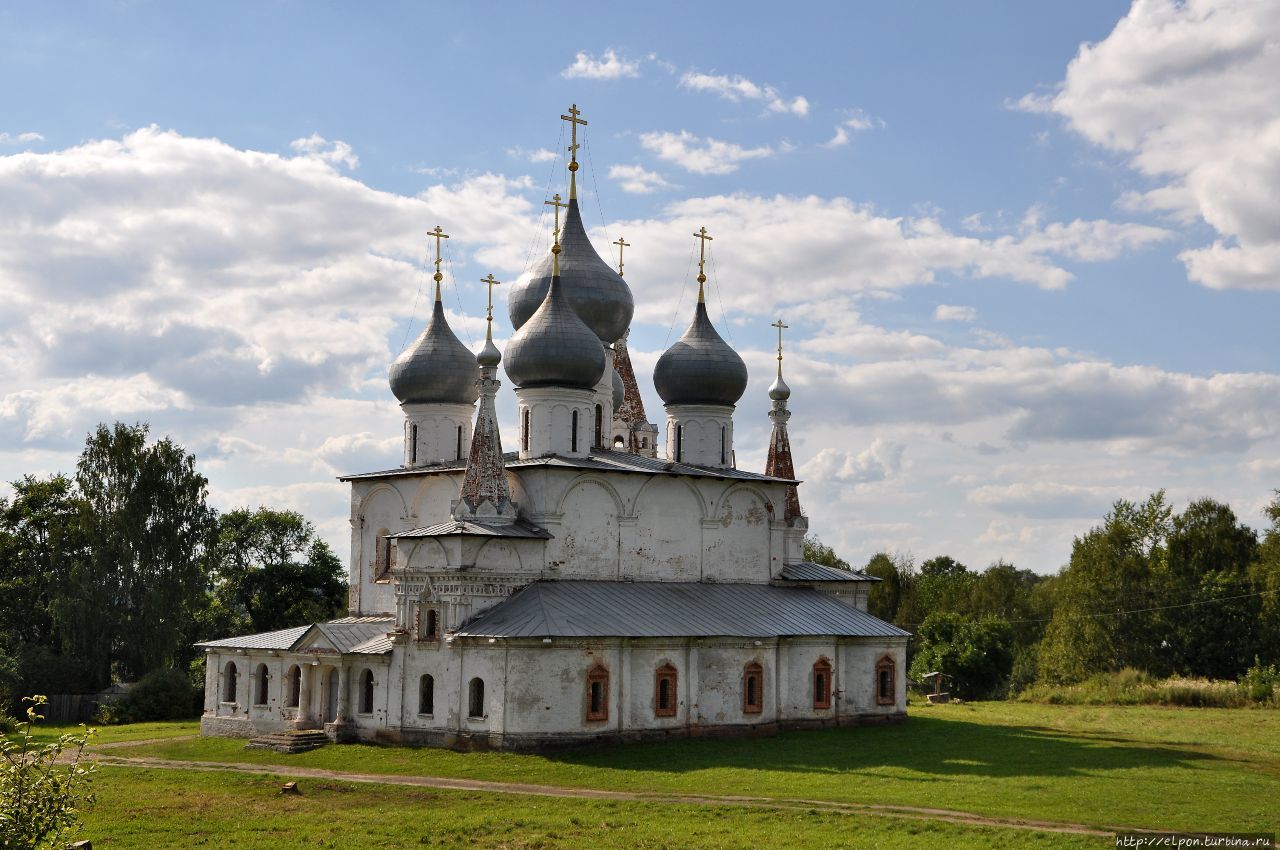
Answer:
(554, 348)
(619, 390)
(437, 368)
(597, 293)
(778, 390)
(700, 368)
(489, 356)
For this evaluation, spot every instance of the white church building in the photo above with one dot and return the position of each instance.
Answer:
(580, 588)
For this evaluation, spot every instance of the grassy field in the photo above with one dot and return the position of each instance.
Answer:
(1131, 766)
(154, 809)
(115, 734)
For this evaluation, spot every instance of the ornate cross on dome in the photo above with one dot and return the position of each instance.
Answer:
(492, 283)
(702, 259)
(621, 243)
(438, 234)
(555, 246)
(778, 324)
(574, 121)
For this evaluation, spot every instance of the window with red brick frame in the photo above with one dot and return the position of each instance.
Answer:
(752, 688)
(822, 684)
(886, 681)
(598, 693)
(666, 702)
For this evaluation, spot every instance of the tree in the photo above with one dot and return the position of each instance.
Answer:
(40, 800)
(894, 594)
(271, 572)
(975, 655)
(151, 529)
(817, 552)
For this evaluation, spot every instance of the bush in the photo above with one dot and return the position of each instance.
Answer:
(1260, 682)
(1135, 687)
(164, 694)
(40, 800)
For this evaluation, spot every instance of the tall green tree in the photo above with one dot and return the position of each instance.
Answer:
(272, 572)
(975, 655)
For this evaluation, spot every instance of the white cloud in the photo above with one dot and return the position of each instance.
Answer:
(337, 153)
(1190, 92)
(20, 138)
(857, 122)
(537, 155)
(637, 180)
(610, 66)
(954, 313)
(737, 88)
(880, 460)
(699, 155)
(1048, 499)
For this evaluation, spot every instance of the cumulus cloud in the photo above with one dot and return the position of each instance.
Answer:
(737, 88)
(637, 180)
(857, 122)
(701, 155)
(954, 313)
(1049, 500)
(337, 153)
(1190, 92)
(609, 66)
(536, 155)
(20, 138)
(877, 462)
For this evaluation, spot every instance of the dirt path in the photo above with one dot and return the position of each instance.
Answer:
(886, 810)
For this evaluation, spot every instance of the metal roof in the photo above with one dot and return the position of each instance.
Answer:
(602, 460)
(452, 528)
(809, 571)
(380, 645)
(346, 634)
(671, 609)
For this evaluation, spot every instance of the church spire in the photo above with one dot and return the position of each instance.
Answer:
(574, 120)
(779, 463)
(485, 496)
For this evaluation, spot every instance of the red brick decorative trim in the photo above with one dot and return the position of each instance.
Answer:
(886, 683)
(752, 688)
(822, 684)
(666, 704)
(597, 693)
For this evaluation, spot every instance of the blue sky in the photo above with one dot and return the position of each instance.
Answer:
(1029, 252)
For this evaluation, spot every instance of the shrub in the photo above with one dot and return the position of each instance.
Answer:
(40, 800)
(1260, 682)
(164, 694)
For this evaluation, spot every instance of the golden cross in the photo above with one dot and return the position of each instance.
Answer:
(778, 324)
(555, 202)
(574, 121)
(489, 315)
(621, 243)
(438, 234)
(702, 259)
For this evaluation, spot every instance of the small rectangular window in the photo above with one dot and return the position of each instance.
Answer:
(598, 694)
(665, 699)
(753, 689)
(822, 684)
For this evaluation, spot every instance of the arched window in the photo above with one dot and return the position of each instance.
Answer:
(599, 425)
(724, 443)
(886, 681)
(822, 683)
(413, 442)
(459, 450)
(619, 443)
(665, 701)
(524, 430)
(475, 698)
(260, 685)
(679, 443)
(752, 688)
(598, 693)
(426, 695)
(428, 624)
(366, 692)
(573, 432)
(292, 686)
(644, 442)
(229, 677)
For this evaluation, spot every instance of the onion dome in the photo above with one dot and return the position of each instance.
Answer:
(437, 368)
(700, 368)
(778, 390)
(489, 356)
(597, 292)
(554, 348)
(619, 390)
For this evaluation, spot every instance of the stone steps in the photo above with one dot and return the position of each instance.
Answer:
(292, 741)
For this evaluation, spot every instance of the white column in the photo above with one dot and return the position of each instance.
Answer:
(344, 693)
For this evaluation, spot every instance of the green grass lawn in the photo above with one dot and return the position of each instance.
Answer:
(1138, 766)
(45, 733)
(154, 809)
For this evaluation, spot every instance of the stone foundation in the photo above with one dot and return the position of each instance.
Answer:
(227, 727)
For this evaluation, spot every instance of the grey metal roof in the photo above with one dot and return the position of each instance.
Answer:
(700, 367)
(345, 633)
(436, 368)
(380, 645)
(458, 528)
(283, 639)
(602, 460)
(808, 571)
(671, 609)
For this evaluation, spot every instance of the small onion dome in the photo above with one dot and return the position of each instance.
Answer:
(598, 294)
(437, 368)
(554, 348)
(700, 368)
(489, 356)
(778, 390)
(619, 390)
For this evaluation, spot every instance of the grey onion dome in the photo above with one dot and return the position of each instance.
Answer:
(437, 368)
(700, 368)
(778, 390)
(554, 348)
(489, 356)
(598, 294)
(619, 390)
